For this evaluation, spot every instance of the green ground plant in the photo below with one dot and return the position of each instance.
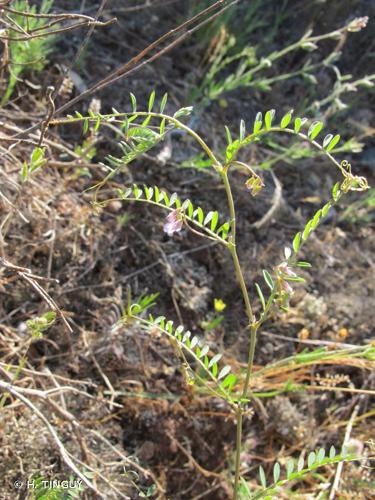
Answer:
(361, 210)
(232, 64)
(202, 368)
(44, 490)
(26, 55)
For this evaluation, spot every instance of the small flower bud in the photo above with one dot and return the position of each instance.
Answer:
(254, 184)
(266, 63)
(358, 24)
(66, 87)
(94, 106)
(287, 252)
(336, 35)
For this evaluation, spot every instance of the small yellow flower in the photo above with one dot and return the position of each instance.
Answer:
(219, 305)
(303, 334)
(342, 333)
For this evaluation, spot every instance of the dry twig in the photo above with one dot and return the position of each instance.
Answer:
(340, 466)
(63, 452)
(26, 274)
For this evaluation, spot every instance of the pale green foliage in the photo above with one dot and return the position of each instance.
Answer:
(146, 138)
(40, 324)
(156, 196)
(361, 210)
(42, 490)
(247, 69)
(263, 126)
(27, 55)
(293, 471)
(233, 64)
(207, 373)
(37, 160)
(138, 138)
(292, 264)
(231, 67)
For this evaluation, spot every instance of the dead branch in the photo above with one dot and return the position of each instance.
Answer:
(5, 387)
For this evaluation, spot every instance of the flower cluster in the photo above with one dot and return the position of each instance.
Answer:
(254, 184)
(284, 274)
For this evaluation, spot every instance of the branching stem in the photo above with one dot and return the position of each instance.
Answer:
(253, 326)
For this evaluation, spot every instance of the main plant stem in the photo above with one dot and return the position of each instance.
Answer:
(238, 451)
(252, 325)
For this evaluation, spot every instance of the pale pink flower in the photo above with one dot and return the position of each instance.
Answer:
(283, 271)
(286, 287)
(286, 270)
(173, 222)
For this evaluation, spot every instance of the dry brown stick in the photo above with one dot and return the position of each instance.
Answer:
(193, 462)
(136, 62)
(103, 478)
(50, 113)
(61, 410)
(329, 343)
(133, 463)
(27, 275)
(147, 5)
(74, 424)
(77, 426)
(159, 41)
(5, 387)
(98, 367)
(51, 94)
(4, 369)
(42, 374)
(80, 49)
(275, 204)
(49, 142)
(47, 299)
(340, 466)
(61, 17)
(52, 32)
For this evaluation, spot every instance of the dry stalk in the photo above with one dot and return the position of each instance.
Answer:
(336, 482)
(5, 387)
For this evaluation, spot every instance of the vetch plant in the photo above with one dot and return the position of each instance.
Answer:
(141, 131)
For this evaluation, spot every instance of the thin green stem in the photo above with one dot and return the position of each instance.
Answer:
(250, 360)
(251, 321)
(233, 250)
(277, 55)
(239, 414)
(221, 393)
(210, 234)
